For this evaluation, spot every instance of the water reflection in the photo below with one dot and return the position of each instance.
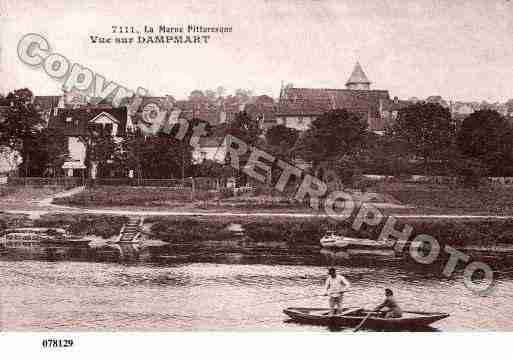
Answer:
(226, 285)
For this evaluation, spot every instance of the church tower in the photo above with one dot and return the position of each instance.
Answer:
(358, 80)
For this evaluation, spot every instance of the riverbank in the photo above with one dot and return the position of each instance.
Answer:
(288, 230)
(76, 224)
(487, 233)
(267, 218)
(424, 198)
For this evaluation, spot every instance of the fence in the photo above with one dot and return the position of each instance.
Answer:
(66, 182)
(142, 182)
(197, 183)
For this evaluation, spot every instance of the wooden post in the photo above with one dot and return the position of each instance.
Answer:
(193, 189)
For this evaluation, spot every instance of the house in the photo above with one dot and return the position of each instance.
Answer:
(299, 107)
(263, 110)
(461, 110)
(76, 125)
(211, 147)
(158, 113)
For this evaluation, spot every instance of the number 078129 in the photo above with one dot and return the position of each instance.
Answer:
(57, 343)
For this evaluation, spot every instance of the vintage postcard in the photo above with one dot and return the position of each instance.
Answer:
(264, 165)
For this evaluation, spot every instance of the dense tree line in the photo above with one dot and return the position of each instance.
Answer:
(424, 139)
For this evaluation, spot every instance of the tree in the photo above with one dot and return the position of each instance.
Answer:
(333, 135)
(101, 151)
(244, 95)
(487, 136)
(166, 157)
(211, 95)
(131, 154)
(21, 125)
(281, 136)
(244, 128)
(158, 156)
(197, 95)
(213, 169)
(385, 155)
(220, 91)
(469, 170)
(53, 144)
(427, 129)
(247, 130)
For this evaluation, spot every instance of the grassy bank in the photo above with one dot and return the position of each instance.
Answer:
(27, 193)
(308, 231)
(162, 198)
(111, 196)
(422, 198)
(443, 199)
(291, 230)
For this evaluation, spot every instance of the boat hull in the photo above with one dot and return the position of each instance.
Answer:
(353, 244)
(30, 237)
(319, 316)
(66, 242)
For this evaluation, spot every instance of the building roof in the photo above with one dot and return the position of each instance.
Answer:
(358, 76)
(314, 102)
(78, 125)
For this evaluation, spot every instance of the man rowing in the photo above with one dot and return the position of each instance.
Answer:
(392, 308)
(335, 287)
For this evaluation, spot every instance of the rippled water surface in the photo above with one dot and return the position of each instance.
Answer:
(169, 288)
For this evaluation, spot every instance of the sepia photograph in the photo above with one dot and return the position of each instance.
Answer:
(282, 166)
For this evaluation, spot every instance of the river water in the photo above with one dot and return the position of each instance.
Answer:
(221, 286)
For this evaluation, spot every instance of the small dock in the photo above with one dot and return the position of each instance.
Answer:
(131, 231)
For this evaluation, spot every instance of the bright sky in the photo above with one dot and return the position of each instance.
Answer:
(461, 50)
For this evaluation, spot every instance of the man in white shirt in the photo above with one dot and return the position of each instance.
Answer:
(336, 285)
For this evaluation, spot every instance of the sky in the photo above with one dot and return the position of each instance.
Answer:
(461, 50)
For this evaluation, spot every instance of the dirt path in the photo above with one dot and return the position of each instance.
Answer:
(62, 209)
(48, 200)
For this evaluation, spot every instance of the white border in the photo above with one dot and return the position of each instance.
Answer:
(259, 345)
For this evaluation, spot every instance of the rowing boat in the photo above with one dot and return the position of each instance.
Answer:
(35, 237)
(351, 317)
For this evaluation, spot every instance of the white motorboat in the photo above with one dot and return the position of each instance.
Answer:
(335, 241)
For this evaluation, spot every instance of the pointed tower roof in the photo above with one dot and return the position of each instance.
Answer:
(358, 76)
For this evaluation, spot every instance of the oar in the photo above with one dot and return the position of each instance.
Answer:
(357, 328)
(290, 299)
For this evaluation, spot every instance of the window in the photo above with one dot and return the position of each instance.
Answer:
(108, 128)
